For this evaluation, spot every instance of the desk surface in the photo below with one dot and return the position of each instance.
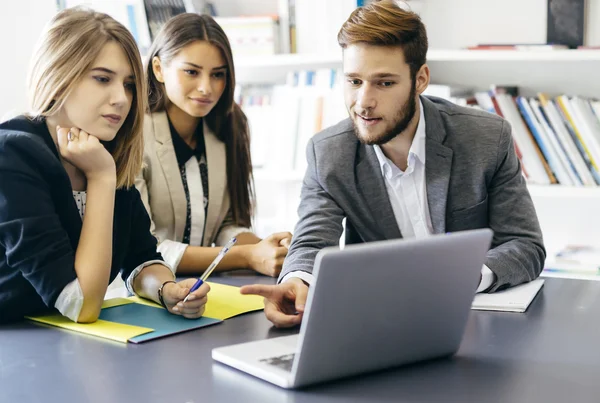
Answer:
(548, 354)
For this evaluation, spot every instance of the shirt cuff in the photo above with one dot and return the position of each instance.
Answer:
(302, 275)
(137, 270)
(487, 279)
(70, 301)
(172, 252)
(229, 232)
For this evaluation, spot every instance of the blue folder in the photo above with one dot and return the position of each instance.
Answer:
(160, 320)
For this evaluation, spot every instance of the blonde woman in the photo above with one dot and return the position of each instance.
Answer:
(197, 177)
(70, 217)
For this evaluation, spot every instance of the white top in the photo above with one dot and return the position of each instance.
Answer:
(173, 251)
(70, 300)
(407, 191)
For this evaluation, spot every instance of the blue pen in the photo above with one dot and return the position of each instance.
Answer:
(212, 266)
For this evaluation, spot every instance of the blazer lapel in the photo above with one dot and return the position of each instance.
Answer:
(168, 162)
(438, 166)
(216, 159)
(372, 187)
(66, 207)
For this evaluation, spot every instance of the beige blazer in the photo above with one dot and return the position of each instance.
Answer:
(162, 192)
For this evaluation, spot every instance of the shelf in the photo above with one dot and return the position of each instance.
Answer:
(435, 55)
(564, 192)
(275, 68)
(532, 71)
(292, 61)
(536, 191)
(316, 61)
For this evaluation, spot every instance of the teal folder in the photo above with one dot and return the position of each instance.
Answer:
(159, 319)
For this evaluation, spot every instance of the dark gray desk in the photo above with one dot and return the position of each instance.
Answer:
(549, 354)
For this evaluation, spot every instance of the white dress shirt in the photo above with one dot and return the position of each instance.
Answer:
(70, 300)
(407, 191)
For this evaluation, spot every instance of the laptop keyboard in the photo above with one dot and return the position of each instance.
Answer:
(283, 361)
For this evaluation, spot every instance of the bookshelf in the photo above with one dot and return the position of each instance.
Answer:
(537, 70)
(567, 214)
(439, 55)
(307, 60)
(274, 68)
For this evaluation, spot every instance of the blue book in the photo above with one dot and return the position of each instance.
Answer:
(578, 144)
(544, 148)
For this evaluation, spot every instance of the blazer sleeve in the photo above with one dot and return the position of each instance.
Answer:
(229, 229)
(142, 244)
(517, 254)
(319, 224)
(31, 233)
(172, 251)
(141, 184)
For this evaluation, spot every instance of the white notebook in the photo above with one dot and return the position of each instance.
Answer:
(515, 299)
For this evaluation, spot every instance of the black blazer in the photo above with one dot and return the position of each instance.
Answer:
(40, 223)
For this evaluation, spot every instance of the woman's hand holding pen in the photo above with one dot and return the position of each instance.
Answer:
(174, 293)
(266, 257)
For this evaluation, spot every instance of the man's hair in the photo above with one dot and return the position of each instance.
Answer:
(384, 23)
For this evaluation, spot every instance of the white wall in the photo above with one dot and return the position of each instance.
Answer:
(462, 23)
(21, 23)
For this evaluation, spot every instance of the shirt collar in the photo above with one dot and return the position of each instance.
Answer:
(183, 151)
(417, 149)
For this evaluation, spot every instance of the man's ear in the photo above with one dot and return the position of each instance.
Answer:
(157, 69)
(422, 79)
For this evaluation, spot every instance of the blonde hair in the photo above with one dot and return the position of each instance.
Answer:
(71, 43)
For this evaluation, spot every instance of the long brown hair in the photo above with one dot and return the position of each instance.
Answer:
(384, 23)
(226, 119)
(71, 43)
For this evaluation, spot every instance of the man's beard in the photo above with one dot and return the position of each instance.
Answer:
(402, 119)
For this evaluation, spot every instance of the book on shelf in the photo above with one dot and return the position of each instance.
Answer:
(458, 95)
(160, 11)
(556, 139)
(131, 13)
(252, 36)
(566, 22)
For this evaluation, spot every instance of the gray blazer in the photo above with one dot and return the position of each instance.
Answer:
(473, 179)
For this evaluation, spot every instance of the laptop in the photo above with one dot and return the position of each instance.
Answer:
(373, 306)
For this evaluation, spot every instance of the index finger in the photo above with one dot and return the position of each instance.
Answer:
(83, 136)
(266, 291)
(201, 291)
(61, 135)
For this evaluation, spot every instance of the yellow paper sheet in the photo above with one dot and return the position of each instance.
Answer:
(224, 302)
(109, 330)
(109, 303)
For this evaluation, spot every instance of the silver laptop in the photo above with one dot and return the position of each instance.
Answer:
(373, 306)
